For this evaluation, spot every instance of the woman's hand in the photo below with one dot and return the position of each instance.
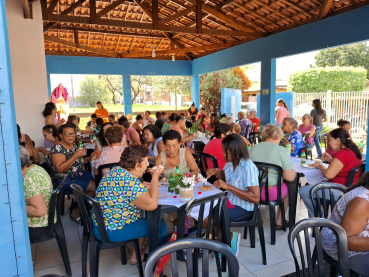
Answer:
(62, 121)
(327, 157)
(285, 142)
(317, 164)
(146, 184)
(221, 184)
(211, 171)
(158, 171)
(194, 135)
(80, 153)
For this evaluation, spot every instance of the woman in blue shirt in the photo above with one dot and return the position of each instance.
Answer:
(289, 126)
(153, 140)
(240, 177)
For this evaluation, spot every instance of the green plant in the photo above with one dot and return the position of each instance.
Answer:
(320, 79)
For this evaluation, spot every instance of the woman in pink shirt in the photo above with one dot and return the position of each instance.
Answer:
(131, 134)
(281, 112)
(178, 124)
(306, 126)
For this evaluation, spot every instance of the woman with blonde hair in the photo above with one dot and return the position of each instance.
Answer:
(236, 129)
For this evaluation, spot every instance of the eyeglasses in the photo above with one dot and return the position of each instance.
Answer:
(69, 134)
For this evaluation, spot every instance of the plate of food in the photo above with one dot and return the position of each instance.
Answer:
(164, 182)
(308, 165)
(205, 187)
(164, 195)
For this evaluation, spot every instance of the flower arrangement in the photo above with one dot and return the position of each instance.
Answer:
(60, 91)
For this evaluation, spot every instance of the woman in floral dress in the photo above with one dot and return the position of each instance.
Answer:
(294, 137)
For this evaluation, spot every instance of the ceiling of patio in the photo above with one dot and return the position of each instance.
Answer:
(186, 28)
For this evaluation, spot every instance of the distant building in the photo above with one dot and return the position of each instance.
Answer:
(254, 89)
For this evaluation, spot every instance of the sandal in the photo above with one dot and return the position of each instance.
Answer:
(73, 209)
(143, 260)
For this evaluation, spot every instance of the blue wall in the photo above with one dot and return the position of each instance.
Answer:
(226, 103)
(115, 66)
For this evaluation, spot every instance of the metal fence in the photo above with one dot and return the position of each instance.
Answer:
(350, 106)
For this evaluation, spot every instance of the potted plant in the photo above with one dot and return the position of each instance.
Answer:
(186, 188)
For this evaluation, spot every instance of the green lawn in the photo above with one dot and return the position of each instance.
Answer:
(119, 108)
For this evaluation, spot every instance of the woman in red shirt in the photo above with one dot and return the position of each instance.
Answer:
(347, 157)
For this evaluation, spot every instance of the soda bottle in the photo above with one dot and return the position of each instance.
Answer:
(177, 172)
(361, 146)
(80, 145)
(303, 157)
(248, 147)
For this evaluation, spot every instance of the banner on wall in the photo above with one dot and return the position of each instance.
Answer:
(60, 98)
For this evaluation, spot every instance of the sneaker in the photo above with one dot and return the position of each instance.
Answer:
(235, 243)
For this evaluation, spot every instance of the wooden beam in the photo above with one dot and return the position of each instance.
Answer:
(93, 15)
(155, 14)
(103, 31)
(327, 4)
(179, 45)
(76, 39)
(178, 14)
(27, 9)
(225, 18)
(225, 3)
(199, 16)
(110, 7)
(66, 12)
(52, 6)
(299, 8)
(181, 51)
(81, 46)
(116, 47)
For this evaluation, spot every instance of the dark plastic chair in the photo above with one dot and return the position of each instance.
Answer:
(272, 204)
(256, 219)
(55, 230)
(100, 169)
(248, 131)
(352, 173)
(218, 220)
(195, 244)
(89, 240)
(308, 151)
(204, 162)
(318, 254)
(319, 198)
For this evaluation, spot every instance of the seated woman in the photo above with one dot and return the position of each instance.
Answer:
(65, 157)
(75, 119)
(101, 142)
(294, 137)
(28, 144)
(49, 113)
(131, 134)
(307, 126)
(154, 141)
(230, 120)
(352, 213)
(99, 124)
(168, 123)
(178, 124)
(240, 177)
(329, 152)
(50, 133)
(37, 192)
(254, 120)
(138, 124)
(347, 157)
(236, 129)
(269, 151)
(173, 155)
(124, 205)
(214, 147)
(111, 154)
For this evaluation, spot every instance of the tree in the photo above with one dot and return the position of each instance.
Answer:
(212, 83)
(321, 79)
(356, 55)
(138, 82)
(171, 84)
(113, 84)
(93, 89)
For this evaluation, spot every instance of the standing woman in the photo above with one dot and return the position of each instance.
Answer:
(193, 110)
(49, 113)
(281, 112)
(101, 111)
(318, 117)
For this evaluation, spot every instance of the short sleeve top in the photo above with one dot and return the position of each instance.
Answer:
(269, 152)
(166, 127)
(109, 155)
(297, 141)
(303, 130)
(76, 169)
(116, 193)
(317, 119)
(328, 237)
(128, 134)
(245, 175)
(214, 148)
(193, 112)
(349, 160)
(36, 181)
(103, 113)
(244, 124)
(282, 114)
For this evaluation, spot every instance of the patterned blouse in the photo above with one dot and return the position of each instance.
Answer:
(328, 237)
(297, 141)
(116, 193)
(244, 124)
(37, 181)
(76, 169)
(166, 127)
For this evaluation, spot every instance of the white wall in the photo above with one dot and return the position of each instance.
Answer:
(28, 65)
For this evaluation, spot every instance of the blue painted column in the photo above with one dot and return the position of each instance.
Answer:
(268, 91)
(49, 85)
(195, 90)
(127, 96)
(15, 254)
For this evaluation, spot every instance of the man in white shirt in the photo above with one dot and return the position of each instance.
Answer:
(148, 119)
